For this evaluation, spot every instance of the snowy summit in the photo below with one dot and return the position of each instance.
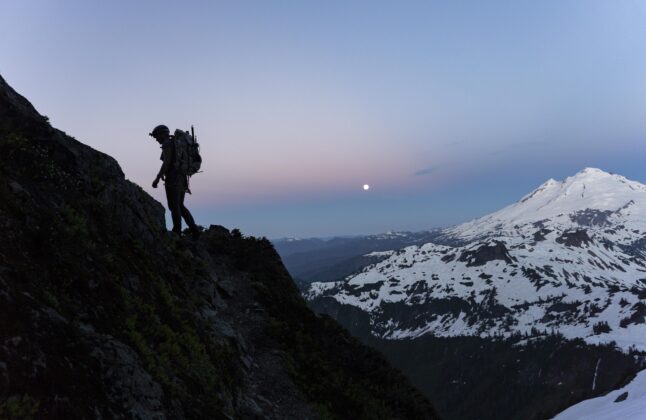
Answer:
(591, 190)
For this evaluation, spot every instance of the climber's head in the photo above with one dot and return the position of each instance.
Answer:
(161, 133)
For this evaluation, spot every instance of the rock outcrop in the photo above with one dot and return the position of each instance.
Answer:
(103, 314)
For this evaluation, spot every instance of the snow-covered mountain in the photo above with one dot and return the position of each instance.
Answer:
(568, 257)
(591, 198)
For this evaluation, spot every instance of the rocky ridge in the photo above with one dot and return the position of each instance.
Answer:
(103, 314)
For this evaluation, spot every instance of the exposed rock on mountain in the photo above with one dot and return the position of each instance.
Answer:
(486, 253)
(104, 315)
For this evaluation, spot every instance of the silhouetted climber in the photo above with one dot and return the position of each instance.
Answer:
(175, 177)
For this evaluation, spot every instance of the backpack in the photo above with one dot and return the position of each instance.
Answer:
(187, 153)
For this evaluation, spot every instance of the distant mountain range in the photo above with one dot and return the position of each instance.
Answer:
(316, 259)
(567, 261)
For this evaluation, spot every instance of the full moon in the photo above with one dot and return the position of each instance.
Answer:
(366, 187)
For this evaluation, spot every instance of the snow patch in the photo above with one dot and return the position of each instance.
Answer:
(606, 408)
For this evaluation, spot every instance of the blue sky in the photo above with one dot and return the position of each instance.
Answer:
(449, 110)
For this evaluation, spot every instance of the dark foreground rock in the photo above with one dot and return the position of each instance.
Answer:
(103, 314)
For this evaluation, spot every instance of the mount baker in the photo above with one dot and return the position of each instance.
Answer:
(568, 258)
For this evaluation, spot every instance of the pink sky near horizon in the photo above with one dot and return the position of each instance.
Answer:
(447, 110)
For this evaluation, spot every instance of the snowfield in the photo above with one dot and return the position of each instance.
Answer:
(631, 405)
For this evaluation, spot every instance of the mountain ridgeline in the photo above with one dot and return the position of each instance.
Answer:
(311, 260)
(104, 314)
(536, 306)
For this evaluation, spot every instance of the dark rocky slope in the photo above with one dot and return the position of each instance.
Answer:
(104, 315)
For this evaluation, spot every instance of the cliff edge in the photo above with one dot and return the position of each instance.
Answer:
(103, 314)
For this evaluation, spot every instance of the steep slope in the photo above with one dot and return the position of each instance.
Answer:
(564, 265)
(105, 315)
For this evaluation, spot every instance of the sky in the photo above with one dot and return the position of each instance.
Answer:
(449, 110)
